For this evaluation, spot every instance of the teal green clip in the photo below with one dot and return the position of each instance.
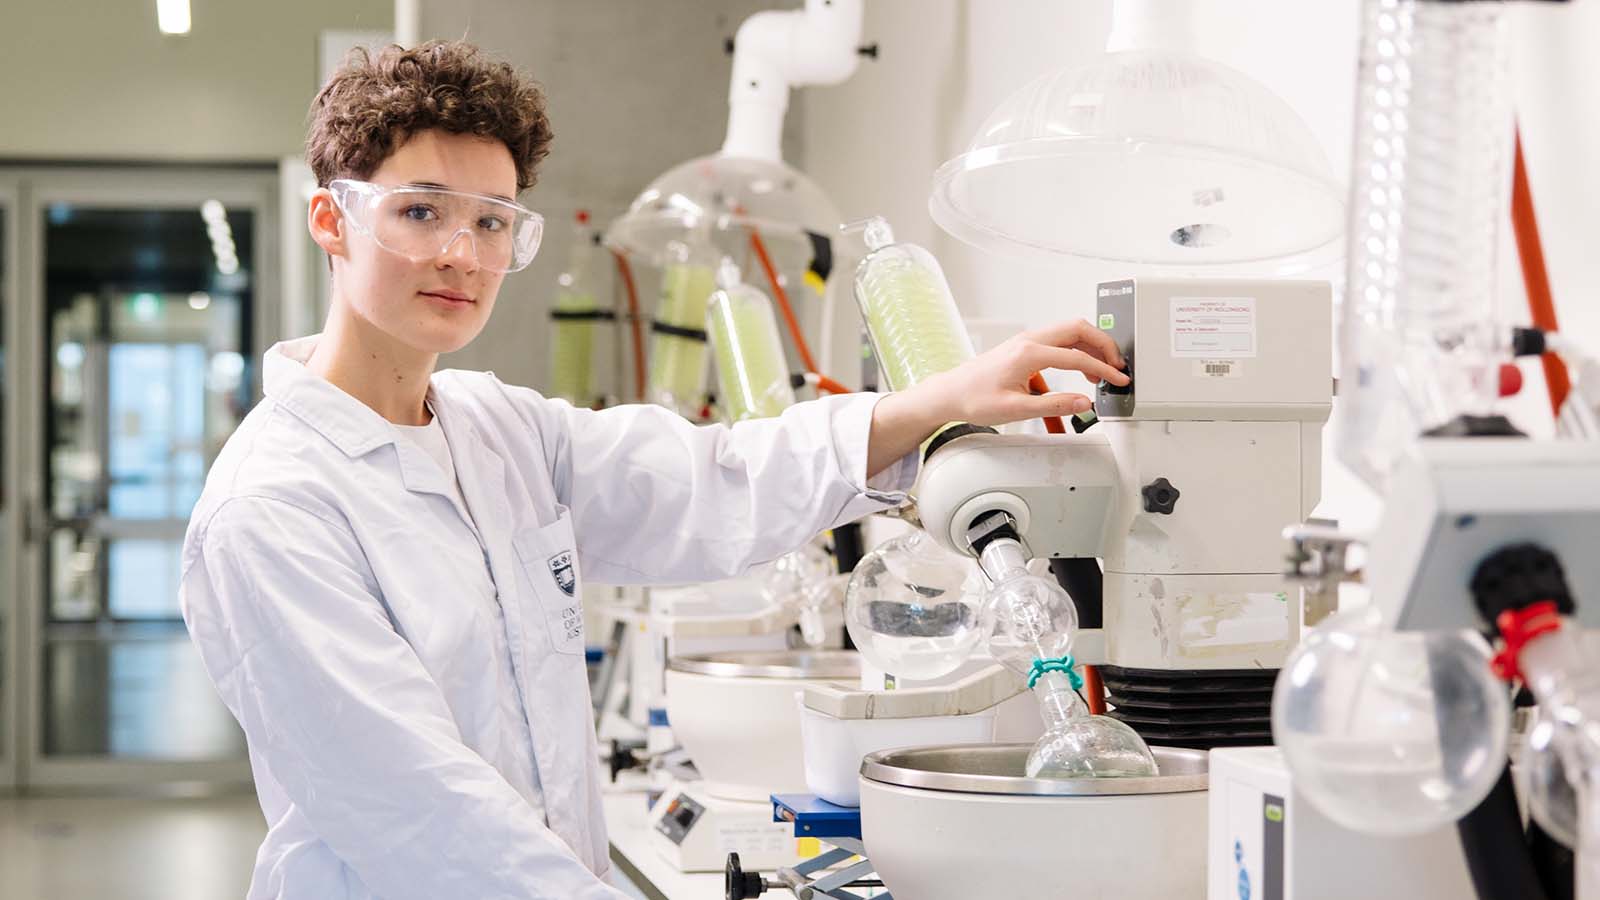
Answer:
(1065, 664)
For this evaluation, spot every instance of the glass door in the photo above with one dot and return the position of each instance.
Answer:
(154, 297)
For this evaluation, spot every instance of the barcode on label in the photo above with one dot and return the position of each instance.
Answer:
(1219, 368)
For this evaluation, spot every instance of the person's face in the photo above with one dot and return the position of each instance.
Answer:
(434, 305)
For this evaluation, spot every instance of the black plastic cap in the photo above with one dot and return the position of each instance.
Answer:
(1160, 497)
(1517, 576)
(1527, 342)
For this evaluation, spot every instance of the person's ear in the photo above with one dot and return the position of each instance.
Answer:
(327, 223)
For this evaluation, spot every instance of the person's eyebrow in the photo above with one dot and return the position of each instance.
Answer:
(444, 187)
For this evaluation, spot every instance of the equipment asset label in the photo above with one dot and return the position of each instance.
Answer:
(1213, 327)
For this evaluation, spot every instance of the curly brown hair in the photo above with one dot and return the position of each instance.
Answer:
(375, 101)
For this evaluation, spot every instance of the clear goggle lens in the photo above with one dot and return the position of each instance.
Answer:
(423, 223)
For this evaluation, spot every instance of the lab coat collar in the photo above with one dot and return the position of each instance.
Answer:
(352, 426)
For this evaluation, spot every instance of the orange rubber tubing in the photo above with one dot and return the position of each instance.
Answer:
(824, 383)
(1052, 424)
(1094, 692)
(626, 271)
(1535, 277)
(778, 294)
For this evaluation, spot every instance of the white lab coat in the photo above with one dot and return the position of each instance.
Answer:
(409, 674)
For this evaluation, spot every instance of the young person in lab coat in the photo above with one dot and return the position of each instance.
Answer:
(382, 575)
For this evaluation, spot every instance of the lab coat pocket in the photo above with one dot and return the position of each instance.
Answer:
(549, 559)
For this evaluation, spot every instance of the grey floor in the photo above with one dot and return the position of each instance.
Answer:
(127, 848)
(135, 848)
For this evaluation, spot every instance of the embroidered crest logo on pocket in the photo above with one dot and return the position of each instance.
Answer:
(561, 571)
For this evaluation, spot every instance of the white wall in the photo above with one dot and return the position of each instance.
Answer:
(875, 141)
(87, 79)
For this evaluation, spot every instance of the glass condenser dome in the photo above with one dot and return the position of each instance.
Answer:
(1148, 157)
(705, 208)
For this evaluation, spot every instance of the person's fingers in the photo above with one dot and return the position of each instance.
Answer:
(1080, 335)
(1061, 334)
(1089, 376)
(1044, 356)
(1057, 403)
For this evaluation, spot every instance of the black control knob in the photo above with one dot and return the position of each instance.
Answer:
(741, 885)
(1160, 497)
(1120, 389)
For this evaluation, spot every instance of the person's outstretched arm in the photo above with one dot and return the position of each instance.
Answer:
(654, 498)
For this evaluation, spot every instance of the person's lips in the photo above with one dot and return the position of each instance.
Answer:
(447, 294)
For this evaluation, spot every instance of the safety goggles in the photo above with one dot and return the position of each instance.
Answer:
(421, 223)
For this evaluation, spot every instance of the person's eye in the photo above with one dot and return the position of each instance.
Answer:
(492, 223)
(419, 212)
